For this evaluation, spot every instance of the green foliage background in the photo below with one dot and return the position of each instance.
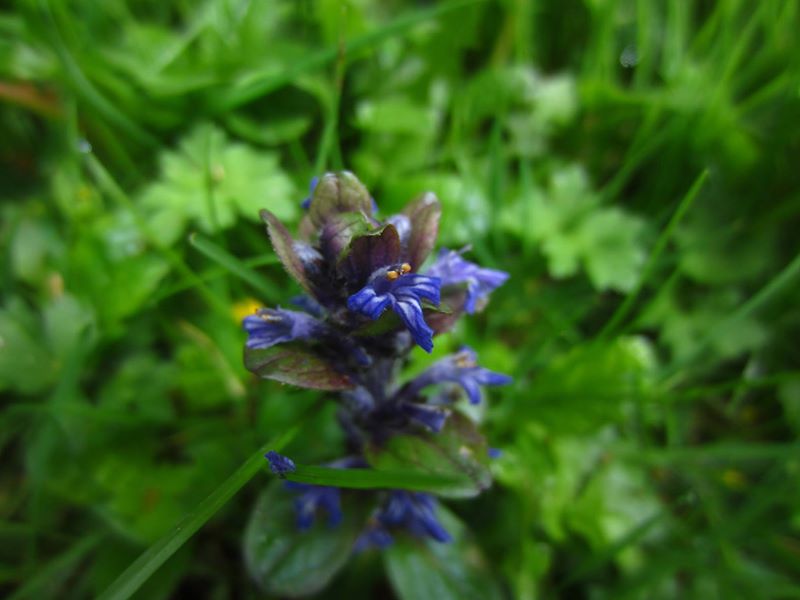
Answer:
(631, 163)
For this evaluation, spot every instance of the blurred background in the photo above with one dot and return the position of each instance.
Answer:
(632, 164)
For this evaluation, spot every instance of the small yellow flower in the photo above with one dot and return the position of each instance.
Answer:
(734, 479)
(244, 308)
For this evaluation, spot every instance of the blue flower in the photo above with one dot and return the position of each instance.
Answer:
(494, 453)
(414, 512)
(309, 305)
(460, 368)
(279, 464)
(374, 536)
(403, 292)
(306, 203)
(276, 326)
(313, 498)
(454, 270)
(432, 417)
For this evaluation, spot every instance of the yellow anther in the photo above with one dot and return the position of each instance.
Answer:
(392, 275)
(464, 360)
(405, 268)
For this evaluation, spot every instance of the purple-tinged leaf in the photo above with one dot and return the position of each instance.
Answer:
(370, 252)
(458, 450)
(289, 364)
(424, 214)
(306, 230)
(338, 193)
(339, 230)
(286, 249)
(444, 318)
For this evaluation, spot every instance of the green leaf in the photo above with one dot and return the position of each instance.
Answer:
(210, 182)
(337, 193)
(286, 561)
(372, 479)
(156, 555)
(590, 386)
(612, 253)
(289, 363)
(419, 570)
(26, 364)
(458, 453)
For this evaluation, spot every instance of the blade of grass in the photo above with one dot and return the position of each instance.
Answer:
(624, 309)
(765, 295)
(234, 266)
(368, 479)
(143, 567)
(719, 452)
(58, 568)
(84, 87)
(106, 182)
(260, 84)
(211, 274)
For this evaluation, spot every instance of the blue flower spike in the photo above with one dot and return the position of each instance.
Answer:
(280, 464)
(354, 265)
(402, 291)
(452, 269)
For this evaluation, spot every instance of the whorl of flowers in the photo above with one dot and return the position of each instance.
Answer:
(369, 299)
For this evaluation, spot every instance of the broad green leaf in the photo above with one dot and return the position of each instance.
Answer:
(590, 386)
(285, 561)
(612, 252)
(458, 452)
(34, 246)
(26, 364)
(422, 570)
(292, 364)
(210, 182)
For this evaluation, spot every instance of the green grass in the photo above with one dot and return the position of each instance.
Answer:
(647, 215)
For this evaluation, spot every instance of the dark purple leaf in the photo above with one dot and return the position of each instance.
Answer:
(338, 193)
(443, 318)
(339, 230)
(371, 251)
(424, 214)
(289, 364)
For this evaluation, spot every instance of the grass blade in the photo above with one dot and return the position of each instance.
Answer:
(625, 308)
(260, 84)
(368, 479)
(143, 567)
(234, 266)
